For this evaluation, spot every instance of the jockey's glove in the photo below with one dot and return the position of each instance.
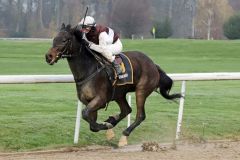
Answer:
(85, 41)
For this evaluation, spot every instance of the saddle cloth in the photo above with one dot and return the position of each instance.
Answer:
(126, 77)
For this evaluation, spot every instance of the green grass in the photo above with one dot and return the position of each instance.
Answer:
(191, 55)
(40, 116)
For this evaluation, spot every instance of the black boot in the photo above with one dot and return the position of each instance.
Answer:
(117, 67)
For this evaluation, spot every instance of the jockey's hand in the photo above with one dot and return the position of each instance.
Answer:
(86, 43)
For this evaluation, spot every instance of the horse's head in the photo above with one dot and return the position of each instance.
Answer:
(62, 45)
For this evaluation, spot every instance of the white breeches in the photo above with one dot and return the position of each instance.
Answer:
(108, 51)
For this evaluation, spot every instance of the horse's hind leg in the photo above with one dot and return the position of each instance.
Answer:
(140, 99)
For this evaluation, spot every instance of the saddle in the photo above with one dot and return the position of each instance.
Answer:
(126, 77)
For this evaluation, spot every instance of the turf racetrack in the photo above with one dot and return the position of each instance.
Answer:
(42, 116)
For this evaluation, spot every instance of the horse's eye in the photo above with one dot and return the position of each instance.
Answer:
(64, 40)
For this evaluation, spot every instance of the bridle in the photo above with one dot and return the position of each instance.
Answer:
(66, 50)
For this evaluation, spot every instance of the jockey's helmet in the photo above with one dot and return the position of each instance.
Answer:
(88, 21)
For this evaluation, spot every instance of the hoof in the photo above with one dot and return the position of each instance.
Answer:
(123, 141)
(94, 130)
(110, 134)
(108, 125)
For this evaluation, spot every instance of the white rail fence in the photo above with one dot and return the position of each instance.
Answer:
(31, 79)
(27, 39)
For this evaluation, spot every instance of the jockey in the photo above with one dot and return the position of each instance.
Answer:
(101, 39)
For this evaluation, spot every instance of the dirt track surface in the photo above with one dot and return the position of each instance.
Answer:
(184, 151)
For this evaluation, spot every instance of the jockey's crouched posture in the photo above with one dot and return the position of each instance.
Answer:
(101, 39)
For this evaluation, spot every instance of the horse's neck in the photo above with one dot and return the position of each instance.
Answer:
(82, 65)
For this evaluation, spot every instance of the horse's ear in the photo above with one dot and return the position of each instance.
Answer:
(68, 28)
(63, 26)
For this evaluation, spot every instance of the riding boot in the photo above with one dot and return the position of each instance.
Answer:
(117, 67)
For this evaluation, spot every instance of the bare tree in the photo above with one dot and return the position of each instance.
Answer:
(39, 14)
(29, 8)
(41, 18)
(235, 4)
(211, 14)
(131, 17)
(19, 15)
(170, 11)
(8, 16)
(59, 6)
(209, 19)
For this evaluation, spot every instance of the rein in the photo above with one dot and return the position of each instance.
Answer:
(81, 82)
(65, 53)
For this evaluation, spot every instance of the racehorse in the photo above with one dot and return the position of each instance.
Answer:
(93, 82)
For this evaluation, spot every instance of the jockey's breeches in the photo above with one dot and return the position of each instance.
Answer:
(108, 51)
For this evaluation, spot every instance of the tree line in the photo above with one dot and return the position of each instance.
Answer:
(202, 19)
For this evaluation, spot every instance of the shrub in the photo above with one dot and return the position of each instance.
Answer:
(231, 28)
(163, 29)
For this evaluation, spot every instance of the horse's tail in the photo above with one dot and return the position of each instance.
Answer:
(165, 85)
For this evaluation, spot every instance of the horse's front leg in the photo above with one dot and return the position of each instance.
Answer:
(90, 115)
(125, 109)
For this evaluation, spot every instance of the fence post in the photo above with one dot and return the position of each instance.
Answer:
(78, 122)
(180, 112)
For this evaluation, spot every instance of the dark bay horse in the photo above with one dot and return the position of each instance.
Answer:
(94, 88)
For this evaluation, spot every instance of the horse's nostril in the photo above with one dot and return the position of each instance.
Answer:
(48, 58)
